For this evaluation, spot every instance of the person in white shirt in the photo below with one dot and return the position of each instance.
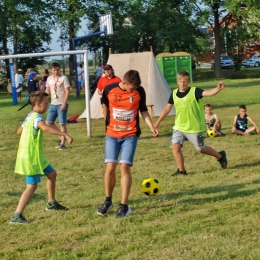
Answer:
(19, 79)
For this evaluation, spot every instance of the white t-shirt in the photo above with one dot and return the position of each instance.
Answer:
(57, 87)
(80, 77)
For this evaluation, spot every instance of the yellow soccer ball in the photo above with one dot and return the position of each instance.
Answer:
(151, 187)
(211, 132)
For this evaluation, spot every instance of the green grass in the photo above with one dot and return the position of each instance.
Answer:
(209, 214)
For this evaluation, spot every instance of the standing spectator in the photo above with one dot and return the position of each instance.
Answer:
(98, 71)
(83, 77)
(107, 79)
(42, 82)
(32, 82)
(122, 103)
(19, 79)
(27, 73)
(59, 87)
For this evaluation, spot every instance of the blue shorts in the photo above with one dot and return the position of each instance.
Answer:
(79, 84)
(54, 112)
(127, 147)
(34, 179)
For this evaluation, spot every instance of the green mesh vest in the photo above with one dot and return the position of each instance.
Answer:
(30, 159)
(190, 116)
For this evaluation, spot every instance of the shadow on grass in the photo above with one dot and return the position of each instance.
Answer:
(232, 191)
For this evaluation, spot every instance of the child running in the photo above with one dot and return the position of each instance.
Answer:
(190, 120)
(212, 120)
(240, 123)
(30, 159)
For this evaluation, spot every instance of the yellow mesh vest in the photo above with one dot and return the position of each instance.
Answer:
(30, 159)
(190, 116)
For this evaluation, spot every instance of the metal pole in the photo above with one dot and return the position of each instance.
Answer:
(87, 95)
(11, 70)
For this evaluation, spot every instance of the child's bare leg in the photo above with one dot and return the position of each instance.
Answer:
(210, 151)
(51, 185)
(126, 182)
(110, 178)
(238, 132)
(177, 153)
(25, 197)
(249, 130)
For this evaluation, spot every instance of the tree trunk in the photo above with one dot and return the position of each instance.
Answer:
(217, 38)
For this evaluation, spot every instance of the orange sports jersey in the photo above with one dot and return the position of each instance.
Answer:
(122, 118)
(104, 81)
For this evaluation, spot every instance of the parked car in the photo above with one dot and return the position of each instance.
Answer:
(225, 62)
(254, 61)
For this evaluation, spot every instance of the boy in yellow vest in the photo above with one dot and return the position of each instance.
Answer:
(190, 120)
(30, 159)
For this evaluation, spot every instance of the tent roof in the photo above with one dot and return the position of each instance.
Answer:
(156, 87)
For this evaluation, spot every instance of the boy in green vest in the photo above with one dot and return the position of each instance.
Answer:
(190, 120)
(30, 159)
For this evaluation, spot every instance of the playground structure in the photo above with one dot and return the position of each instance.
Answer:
(106, 28)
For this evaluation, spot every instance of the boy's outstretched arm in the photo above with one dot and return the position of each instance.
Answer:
(148, 121)
(54, 131)
(213, 91)
(164, 113)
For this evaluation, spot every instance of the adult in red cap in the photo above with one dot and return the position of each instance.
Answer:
(107, 79)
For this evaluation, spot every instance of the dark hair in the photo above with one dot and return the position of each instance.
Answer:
(207, 105)
(242, 106)
(184, 73)
(133, 77)
(46, 71)
(37, 96)
(55, 65)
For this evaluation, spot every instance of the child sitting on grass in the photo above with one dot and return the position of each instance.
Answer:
(240, 127)
(212, 120)
(30, 159)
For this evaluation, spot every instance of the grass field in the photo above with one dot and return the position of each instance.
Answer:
(209, 214)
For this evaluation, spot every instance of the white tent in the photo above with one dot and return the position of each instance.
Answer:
(156, 87)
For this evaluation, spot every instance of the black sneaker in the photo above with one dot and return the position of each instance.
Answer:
(104, 208)
(178, 172)
(123, 211)
(252, 133)
(55, 206)
(18, 220)
(222, 134)
(223, 160)
(58, 144)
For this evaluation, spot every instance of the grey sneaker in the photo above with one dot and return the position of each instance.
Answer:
(18, 220)
(55, 206)
(62, 147)
(223, 160)
(123, 211)
(104, 208)
(58, 144)
(178, 172)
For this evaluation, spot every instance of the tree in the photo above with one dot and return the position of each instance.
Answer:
(25, 23)
(140, 25)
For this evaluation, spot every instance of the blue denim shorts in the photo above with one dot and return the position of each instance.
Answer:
(125, 145)
(34, 179)
(54, 112)
(79, 84)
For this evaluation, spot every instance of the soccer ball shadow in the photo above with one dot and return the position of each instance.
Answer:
(151, 187)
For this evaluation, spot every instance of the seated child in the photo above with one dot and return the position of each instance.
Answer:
(239, 126)
(212, 120)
